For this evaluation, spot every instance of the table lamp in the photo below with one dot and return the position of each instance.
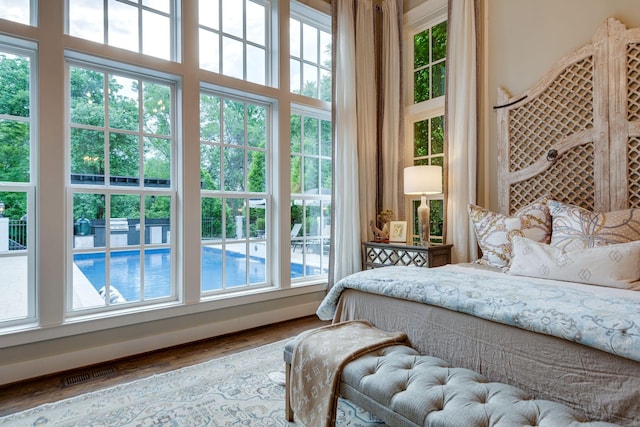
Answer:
(423, 180)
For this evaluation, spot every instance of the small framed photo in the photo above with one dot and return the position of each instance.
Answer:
(398, 231)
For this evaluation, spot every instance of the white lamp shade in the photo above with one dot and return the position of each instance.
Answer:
(425, 179)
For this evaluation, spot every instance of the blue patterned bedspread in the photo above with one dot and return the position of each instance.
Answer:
(597, 317)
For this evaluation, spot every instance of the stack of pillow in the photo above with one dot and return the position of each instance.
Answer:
(553, 240)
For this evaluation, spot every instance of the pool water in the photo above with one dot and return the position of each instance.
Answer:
(125, 271)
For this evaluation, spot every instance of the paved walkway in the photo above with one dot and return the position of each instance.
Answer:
(14, 288)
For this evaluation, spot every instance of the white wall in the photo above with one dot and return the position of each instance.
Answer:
(522, 40)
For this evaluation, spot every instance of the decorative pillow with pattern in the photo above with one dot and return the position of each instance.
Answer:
(616, 266)
(575, 228)
(495, 230)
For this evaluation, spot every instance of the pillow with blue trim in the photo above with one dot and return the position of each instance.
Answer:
(616, 266)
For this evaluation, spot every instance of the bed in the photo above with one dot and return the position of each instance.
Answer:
(548, 308)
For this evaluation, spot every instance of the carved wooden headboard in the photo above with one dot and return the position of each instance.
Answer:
(576, 134)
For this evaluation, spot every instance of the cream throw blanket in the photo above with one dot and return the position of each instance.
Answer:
(317, 365)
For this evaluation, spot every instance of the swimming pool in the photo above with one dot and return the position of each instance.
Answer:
(125, 271)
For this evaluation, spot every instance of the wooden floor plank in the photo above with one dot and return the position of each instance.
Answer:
(27, 394)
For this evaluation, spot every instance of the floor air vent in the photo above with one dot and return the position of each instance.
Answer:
(86, 376)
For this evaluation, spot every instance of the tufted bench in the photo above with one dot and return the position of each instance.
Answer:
(404, 388)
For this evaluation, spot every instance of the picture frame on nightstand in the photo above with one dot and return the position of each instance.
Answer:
(398, 231)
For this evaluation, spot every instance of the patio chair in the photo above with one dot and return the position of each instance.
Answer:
(294, 233)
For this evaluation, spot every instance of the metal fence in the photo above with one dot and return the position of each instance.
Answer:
(210, 228)
(17, 235)
(18, 231)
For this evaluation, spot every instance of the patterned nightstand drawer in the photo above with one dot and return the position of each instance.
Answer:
(376, 254)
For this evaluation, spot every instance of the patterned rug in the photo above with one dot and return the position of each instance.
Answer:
(233, 390)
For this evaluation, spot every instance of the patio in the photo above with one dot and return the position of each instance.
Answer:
(14, 288)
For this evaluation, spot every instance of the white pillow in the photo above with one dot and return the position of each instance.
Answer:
(616, 266)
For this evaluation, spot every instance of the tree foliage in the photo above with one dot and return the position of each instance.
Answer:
(429, 53)
(14, 131)
(119, 115)
(233, 146)
(106, 120)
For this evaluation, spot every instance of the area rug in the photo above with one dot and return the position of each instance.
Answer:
(234, 390)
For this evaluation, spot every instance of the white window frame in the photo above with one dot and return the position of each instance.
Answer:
(112, 67)
(51, 263)
(247, 196)
(312, 17)
(268, 80)
(27, 49)
(312, 13)
(305, 198)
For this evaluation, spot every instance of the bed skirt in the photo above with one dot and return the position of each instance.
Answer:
(601, 385)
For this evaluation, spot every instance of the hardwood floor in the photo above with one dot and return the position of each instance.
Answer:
(27, 394)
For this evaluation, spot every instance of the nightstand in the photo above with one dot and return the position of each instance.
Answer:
(375, 254)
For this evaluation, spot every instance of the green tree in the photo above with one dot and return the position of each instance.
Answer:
(429, 52)
(256, 137)
(14, 81)
(14, 151)
(87, 96)
(87, 88)
(15, 204)
(257, 168)
(157, 207)
(156, 108)
(296, 151)
(14, 133)
(233, 114)
(210, 138)
(88, 205)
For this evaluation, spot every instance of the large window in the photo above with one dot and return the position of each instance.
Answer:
(16, 189)
(310, 144)
(235, 201)
(310, 195)
(310, 63)
(426, 60)
(234, 38)
(120, 148)
(157, 186)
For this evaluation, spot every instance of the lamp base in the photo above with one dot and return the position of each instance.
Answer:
(423, 221)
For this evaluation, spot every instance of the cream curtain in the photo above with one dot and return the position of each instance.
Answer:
(345, 257)
(461, 117)
(392, 107)
(366, 118)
